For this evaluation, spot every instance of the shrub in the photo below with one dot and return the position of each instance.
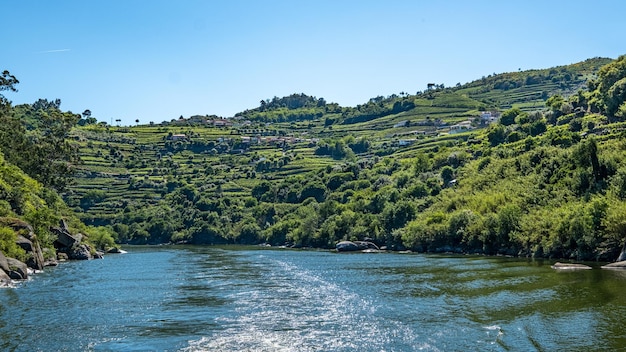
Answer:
(8, 245)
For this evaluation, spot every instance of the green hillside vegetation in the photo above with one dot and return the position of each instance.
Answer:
(430, 171)
(299, 171)
(36, 161)
(23, 199)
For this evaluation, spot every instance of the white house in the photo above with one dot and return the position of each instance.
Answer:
(487, 117)
(403, 123)
(179, 137)
(461, 127)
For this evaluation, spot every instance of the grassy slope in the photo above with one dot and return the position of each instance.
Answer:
(106, 171)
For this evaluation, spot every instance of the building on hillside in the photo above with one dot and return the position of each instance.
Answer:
(179, 137)
(250, 140)
(461, 127)
(405, 142)
(221, 123)
(404, 123)
(487, 117)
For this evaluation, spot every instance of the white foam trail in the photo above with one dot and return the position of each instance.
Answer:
(291, 309)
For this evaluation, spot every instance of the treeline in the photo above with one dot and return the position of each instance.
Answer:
(295, 107)
(375, 109)
(35, 137)
(37, 159)
(563, 75)
(300, 107)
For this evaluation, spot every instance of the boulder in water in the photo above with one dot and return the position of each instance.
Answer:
(617, 265)
(80, 252)
(622, 255)
(17, 269)
(569, 266)
(347, 246)
(363, 245)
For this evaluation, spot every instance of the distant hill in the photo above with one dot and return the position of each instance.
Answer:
(431, 171)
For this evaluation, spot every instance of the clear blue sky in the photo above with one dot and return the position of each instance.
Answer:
(155, 60)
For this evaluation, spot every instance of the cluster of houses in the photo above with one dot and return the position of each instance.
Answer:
(485, 118)
(275, 140)
(253, 140)
(207, 120)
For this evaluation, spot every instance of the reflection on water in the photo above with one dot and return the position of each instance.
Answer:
(248, 299)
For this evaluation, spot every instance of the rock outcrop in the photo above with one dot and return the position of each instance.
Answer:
(64, 238)
(4, 269)
(27, 240)
(67, 245)
(70, 244)
(79, 252)
(17, 269)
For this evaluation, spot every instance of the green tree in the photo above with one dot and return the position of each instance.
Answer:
(8, 247)
(447, 175)
(508, 117)
(7, 83)
(610, 84)
(496, 134)
(101, 237)
(36, 139)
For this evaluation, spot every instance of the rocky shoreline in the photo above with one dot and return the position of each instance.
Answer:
(370, 247)
(67, 246)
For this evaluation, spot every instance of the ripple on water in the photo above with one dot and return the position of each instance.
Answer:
(209, 299)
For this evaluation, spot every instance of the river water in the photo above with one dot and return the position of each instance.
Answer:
(250, 299)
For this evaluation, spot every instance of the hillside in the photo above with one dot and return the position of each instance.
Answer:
(431, 171)
(37, 229)
(36, 226)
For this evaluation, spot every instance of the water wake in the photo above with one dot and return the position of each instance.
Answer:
(289, 308)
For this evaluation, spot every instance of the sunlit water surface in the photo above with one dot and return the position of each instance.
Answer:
(248, 299)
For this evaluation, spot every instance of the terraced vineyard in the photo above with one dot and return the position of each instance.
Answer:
(134, 167)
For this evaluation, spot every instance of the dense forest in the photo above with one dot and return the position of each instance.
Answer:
(529, 163)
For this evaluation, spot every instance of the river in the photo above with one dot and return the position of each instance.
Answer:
(249, 299)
